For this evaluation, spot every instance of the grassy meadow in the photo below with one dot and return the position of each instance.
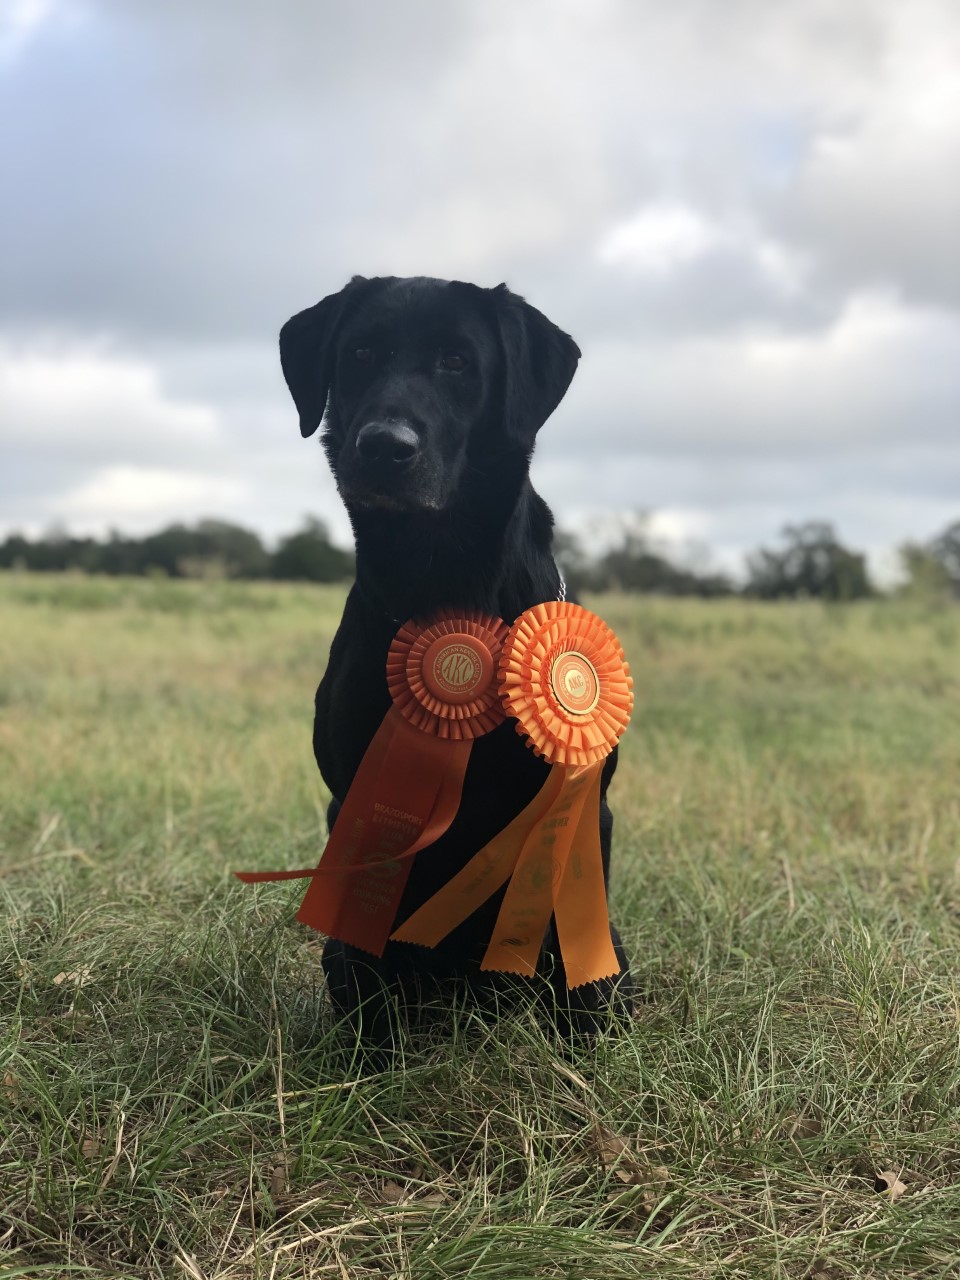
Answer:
(175, 1101)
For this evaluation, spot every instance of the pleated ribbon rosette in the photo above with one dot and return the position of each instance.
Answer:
(563, 676)
(442, 678)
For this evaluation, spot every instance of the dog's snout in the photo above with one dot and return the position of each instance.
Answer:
(387, 442)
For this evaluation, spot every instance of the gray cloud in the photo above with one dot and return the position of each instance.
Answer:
(743, 213)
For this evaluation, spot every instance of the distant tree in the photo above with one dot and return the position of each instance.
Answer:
(15, 552)
(242, 552)
(924, 577)
(631, 562)
(56, 550)
(183, 552)
(945, 549)
(209, 548)
(932, 569)
(573, 561)
(635, 563)
(309, 555)
(120, 555)
(165, 550)
(812, 563)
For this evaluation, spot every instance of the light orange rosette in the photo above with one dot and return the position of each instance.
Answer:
(442, 679)
(563, 676)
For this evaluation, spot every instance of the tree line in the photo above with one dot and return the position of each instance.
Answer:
(206, 549)
(809, 561)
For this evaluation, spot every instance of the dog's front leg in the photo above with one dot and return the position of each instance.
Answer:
(364, 994)
(593, 1007)
(362, 989)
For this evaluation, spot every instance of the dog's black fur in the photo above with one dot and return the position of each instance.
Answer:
(431, 394)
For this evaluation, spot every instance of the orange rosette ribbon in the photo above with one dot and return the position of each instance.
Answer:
(442, 679)
(564, 678)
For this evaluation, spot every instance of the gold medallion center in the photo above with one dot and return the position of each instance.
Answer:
(575, 683)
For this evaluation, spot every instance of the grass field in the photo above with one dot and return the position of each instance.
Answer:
(174, 1101)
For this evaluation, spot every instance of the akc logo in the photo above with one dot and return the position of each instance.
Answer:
(457, 669)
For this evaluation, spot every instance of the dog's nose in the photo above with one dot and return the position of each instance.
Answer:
(387, 442)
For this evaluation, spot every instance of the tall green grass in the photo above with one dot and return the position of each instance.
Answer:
(174, 1100)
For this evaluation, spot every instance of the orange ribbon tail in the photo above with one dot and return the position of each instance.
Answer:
(550, 853)
(528, 903)
(580, 903)
(404, 796)
(482, 876)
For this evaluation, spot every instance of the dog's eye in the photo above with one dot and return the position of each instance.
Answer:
(452, 361)
(363, 355)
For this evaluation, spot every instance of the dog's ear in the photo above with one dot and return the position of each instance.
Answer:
(308, 349)
(539, 363)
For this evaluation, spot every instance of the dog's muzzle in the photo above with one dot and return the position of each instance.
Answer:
(387, 445)
(388, 466)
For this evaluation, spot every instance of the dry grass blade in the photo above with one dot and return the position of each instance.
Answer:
(189, 1265)
(574, 1077)
(49, 828)
(615, 1154)
(111, 1168)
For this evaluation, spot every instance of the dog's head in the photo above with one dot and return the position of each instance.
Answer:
(416, 380)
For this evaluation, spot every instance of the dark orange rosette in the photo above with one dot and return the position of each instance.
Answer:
(442, 678)
(564, 678)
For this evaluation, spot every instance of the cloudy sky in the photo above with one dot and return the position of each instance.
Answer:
(744, 212)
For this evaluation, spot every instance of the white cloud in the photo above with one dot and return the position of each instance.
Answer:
(882, 375)
(878, 191)
(90, 436)
(666, 236)
(19, 21)
(95, 438)
(660, 238)
(115, 494)
(785, 269)
(83, 400)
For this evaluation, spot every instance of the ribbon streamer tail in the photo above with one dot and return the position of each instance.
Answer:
(580, 909)
(391, 810)
(528, 903)
(325, 893)
(444, 811)
(440, 767)
(482, 876)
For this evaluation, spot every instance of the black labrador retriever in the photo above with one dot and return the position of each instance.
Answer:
(431, 393)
